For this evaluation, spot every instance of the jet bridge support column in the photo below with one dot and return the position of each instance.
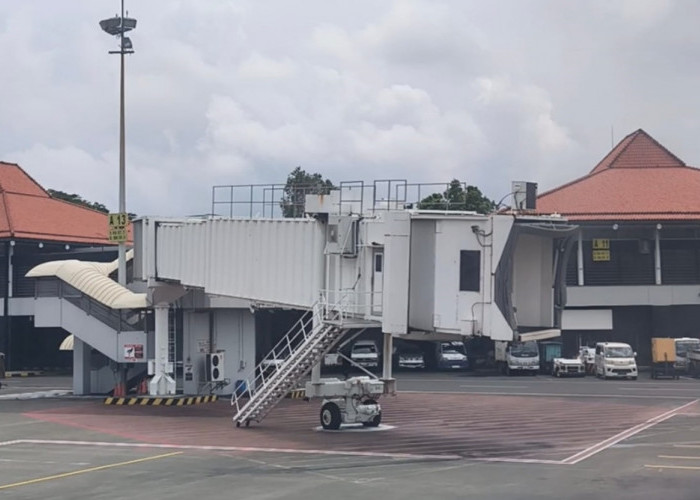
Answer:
(162, 383)
(387, 375)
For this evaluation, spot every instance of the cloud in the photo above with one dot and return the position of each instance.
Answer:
(235, 92)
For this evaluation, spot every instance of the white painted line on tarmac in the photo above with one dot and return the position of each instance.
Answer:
(667, 388)
(680, 467)
(107, 444)
(679, 457)
(497, 386)
(521, 460)
(607, 443)
(547, 394)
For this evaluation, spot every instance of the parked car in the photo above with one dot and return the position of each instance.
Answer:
(365, 353)
(450, 356)
(408, 355)
(615, 359)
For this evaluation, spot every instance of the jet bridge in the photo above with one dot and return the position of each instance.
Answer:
(418, 274)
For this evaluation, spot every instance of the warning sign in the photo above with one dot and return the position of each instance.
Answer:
(133, 352)
(117, 227)
(601, 255)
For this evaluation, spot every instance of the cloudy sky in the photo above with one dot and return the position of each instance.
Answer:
(242, 91)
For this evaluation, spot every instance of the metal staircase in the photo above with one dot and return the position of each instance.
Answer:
(291, 359)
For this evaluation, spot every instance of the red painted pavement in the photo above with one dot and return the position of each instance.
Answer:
(474, 426)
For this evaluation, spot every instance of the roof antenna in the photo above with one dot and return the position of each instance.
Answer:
(612, 137)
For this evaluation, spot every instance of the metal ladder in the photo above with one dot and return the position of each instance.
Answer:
(291, 359)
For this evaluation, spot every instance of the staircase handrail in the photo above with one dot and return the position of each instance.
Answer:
(265, 375)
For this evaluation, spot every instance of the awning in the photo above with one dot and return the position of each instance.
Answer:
(67, 344)
(92, 278)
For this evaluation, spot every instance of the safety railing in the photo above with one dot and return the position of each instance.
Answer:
(348, 304)
(305, 333)
(118, 320)
(276, 359)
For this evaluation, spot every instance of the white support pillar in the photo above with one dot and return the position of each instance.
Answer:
(579, 259)
(81, 367)
(162, 382)
(657, 254)
(387, 375)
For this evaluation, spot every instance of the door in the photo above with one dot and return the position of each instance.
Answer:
(377, 281)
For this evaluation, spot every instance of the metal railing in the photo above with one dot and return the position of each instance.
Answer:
(277, 358)
(351, 304)
(280, 200)
(117, 319)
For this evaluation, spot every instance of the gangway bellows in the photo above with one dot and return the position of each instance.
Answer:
(290, 360)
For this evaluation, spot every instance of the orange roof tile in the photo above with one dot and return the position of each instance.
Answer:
(638, 150)
(638, 180)
(28, 211)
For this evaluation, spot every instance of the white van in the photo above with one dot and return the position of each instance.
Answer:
(615, 359)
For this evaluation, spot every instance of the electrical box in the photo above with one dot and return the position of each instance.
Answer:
(215, 367)
(524, 195)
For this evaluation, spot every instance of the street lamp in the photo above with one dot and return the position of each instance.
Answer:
(117, 26)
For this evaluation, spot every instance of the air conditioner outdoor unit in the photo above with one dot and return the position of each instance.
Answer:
(215, 367)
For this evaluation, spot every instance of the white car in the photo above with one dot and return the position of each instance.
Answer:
(615, 360)
(365, 353)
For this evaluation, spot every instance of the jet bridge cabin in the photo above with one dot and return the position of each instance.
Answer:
(465, 274)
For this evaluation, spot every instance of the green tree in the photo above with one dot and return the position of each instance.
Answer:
(78, 200)
(299, 184)
(457, 197)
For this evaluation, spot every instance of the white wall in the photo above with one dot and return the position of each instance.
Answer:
(653, 295)
(453, 307)
(233, 331)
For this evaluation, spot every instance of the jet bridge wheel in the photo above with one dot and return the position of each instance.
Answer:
(330, 416)
(377, 419)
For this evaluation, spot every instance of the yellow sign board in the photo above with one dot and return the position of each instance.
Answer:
(118, 224)
(601, 244)
(601, 255)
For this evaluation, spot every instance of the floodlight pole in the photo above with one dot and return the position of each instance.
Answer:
(121, 257)
(117, 26)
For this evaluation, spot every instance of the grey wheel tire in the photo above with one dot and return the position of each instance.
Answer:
(377, 419)
(330, 416)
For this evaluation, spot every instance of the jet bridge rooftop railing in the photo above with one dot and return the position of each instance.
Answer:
(280, 200)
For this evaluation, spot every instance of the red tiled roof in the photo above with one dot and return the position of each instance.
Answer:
(27, 211)
(638, 150)
(638, 180)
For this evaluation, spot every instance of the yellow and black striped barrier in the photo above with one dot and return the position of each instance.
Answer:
(156, 401)
(297, 394)
(23, 374)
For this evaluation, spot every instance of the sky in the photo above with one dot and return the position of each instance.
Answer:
(232, 92)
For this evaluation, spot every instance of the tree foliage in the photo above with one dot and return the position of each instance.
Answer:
(78, 200)
(457, 197)
(299, 184)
